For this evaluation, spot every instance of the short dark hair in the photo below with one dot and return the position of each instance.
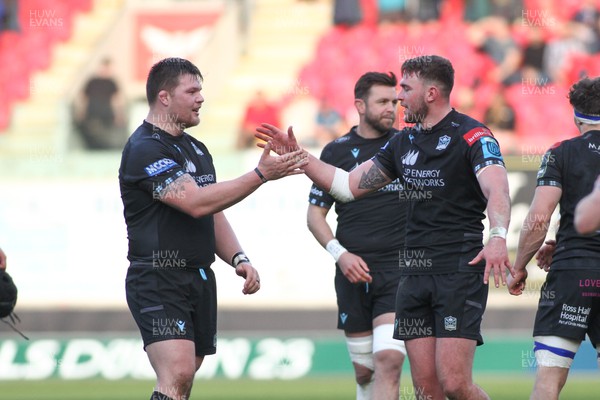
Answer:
(366, 81)
(433, 69)
(584, 96)
(164, 75)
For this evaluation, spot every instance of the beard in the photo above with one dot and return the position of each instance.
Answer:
(381, 125)
(418, 115)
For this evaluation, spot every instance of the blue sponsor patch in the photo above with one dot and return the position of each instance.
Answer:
(160, 166)
(490, 147)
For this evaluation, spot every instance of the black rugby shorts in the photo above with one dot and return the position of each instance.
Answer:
(358, 304)
(569, 305)
(441, 306)
(174, 304)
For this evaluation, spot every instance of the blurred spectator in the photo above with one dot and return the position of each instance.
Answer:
(499, 115)
(9, 15)
(533, 53)
(500, 118)
(259, 110)
(589, 18)
(588, 14)
(347, 12)
(329, 123)
(499, 44)
(567, 43)
(100, 114)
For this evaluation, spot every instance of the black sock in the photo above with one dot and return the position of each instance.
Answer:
(159, 396)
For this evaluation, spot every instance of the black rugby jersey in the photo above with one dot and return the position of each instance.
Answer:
(438, 169)
(372, 226)
(158, 233)
(573, 165)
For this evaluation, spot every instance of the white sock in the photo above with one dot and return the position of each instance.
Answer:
(363, 392)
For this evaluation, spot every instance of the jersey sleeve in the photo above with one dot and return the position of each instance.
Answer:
(151, 166)
(483, 149)
(318, 196)
(549, 173)
(384, 159)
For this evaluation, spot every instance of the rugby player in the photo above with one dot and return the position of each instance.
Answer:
(570, 297)
(175, 225)
(455, 162)
(369, 237)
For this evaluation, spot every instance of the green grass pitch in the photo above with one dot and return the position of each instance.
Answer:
(501, 387)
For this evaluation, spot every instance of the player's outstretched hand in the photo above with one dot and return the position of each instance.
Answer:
(516, 284)
(496, 259)
(354, 268)
(544, 255)
(281, 143)
(276, 167)
(247, 271)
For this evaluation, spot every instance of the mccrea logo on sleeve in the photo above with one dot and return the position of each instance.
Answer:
(160, 166)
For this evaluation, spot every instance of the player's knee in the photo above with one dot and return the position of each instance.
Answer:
(388, 352)
(362, 374)
(554, 351)
(178, 383)
(455, 388)
(388, 362)
(360, 350)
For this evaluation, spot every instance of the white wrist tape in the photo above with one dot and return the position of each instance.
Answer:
(498, 231)
(340, 187)
(335, 249)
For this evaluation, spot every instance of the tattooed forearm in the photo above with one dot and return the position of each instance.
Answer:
(373, 179)
(176, 188)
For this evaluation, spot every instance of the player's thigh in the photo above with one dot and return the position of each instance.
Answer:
(384, 319)
(172, 359)
(421, 355)
(454, 359)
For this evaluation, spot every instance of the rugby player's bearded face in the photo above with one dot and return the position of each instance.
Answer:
(412, 98)
(381, 107)
(185, 102)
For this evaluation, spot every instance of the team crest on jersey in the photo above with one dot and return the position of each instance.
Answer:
(443, 143)
(197, 150)
(450, 323)
(410, 158)
(355, 152)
